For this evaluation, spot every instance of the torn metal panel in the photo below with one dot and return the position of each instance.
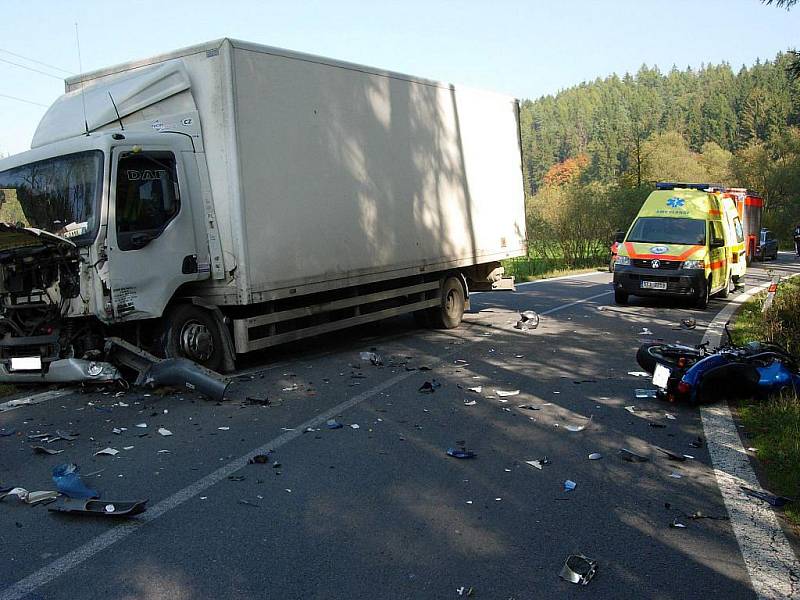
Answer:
(65, 370)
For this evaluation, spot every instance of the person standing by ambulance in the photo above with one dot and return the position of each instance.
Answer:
(797, 239)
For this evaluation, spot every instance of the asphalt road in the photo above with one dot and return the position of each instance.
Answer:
(380, 511)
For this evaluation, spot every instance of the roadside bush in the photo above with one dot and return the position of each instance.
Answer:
(782, 320)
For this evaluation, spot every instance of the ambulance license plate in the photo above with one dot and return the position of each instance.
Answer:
(661, 376)
(654, 285)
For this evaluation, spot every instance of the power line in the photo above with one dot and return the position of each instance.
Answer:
(38, 62)
(10, 62)
(23, 100)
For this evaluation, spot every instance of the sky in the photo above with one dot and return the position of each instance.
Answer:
(526, 48)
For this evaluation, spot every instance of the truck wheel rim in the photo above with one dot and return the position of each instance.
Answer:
(197, 342)
(450, 302)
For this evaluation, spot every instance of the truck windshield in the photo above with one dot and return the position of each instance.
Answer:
(666, 230)
(58, 195)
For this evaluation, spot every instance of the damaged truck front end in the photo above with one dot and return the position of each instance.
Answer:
(49, 216)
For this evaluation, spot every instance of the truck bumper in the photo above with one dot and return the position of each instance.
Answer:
(686, 283)
(65, 370)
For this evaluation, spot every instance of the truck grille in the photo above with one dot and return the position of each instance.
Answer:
(666, 265)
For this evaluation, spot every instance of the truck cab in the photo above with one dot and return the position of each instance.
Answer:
(99, 230)
(686, 241)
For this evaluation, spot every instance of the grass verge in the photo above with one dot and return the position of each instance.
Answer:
(531, 269)
(774, 425)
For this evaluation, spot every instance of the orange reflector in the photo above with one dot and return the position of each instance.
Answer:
(773, 288)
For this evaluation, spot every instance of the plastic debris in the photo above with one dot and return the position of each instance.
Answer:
(672, 455)
(675, 475)
(65, 435)
(776, 501)
(43, 450)
(528, 321)
(569, 485)
(639, 374)
(465, 591)
(69, 483)
(578, 569)
(688, 323)
(631, 409)
(646, 393)
(27, 497)
(477, 389)
(645, 331)
(529, 407)
(595, 456)
(670, 416)
(224, 428)
(372, 357)
(355, 426)
(259, 459)
(576, 428)
(631, 456)
(97, 507)
(506, 393)
(471, 403)
(141, 425)
(429, 387)
(164, 432)
(333, 424)
(538, 463)
(107, 452)
(677, 524)
(461, 452)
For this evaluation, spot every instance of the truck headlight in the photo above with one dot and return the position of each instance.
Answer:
(694, 264)
(622, 260)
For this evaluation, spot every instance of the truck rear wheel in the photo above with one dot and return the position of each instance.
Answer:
(451, 311)
(191, 332)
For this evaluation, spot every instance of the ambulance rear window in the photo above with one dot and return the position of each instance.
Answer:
(666, 230)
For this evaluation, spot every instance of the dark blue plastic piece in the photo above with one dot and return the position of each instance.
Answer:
(69, 482)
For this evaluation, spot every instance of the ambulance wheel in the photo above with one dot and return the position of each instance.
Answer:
(620, 297)
(705, 295)
(728, 286)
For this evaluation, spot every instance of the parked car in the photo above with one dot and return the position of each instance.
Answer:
(767, 246)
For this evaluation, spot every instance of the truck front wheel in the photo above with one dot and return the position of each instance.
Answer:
(451, 311)
(191, 332)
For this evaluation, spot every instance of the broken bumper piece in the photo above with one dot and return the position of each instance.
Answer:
(65, 370)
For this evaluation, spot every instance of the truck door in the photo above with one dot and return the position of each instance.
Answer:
(152, 247)
(718, 256)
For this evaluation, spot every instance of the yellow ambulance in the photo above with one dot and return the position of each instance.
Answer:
(687, 240)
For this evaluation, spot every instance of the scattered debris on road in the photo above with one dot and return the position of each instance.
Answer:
(43, 450)
(69, 483)
(646, 393)
(27, 497)
(632, 456)
(639, 374)
(333, 424)
(164, 432)
(372, 357)
(595, 456)
(107, 452)
(569, 485)
(578, 569)
(576, 428)
(259, 459)
(461, 451)
(429, 387)
(776, 501)
(99, 507)
(506, 393)
(539, 463)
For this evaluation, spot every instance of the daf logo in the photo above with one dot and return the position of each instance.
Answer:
(659, 249)
(655, 263)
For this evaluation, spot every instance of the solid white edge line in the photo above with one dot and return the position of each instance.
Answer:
(82, 553)
(771, 563)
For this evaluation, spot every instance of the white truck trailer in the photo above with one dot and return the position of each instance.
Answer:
(231, 196)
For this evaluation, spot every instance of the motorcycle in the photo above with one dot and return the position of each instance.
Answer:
(695, 373)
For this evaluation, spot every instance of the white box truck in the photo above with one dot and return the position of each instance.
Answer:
(231, 196)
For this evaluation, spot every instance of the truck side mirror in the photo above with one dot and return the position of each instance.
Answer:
(717, 242)
(619, 236)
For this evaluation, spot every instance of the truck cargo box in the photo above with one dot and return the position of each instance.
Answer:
(322, 174)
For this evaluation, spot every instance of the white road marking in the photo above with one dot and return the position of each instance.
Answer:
(562, 277)
(770, 560)
(34, 399)
(79, 555)
(563, 306)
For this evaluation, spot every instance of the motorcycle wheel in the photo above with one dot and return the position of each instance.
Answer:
(668, 355)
